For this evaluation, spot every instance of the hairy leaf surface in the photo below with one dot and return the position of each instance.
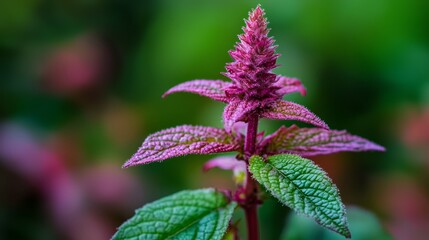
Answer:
(183, 140)
(289, 85)
(284, 110)
(315, 141)
(304, 187)
(213, 89)
(198, 214)
(237, 110)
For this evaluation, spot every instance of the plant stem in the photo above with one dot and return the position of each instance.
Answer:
(252, 130)
(251, 213)
(251, 190)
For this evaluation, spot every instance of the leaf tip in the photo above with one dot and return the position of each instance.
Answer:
(255, 158)
(324, 125)
(127, 164)
(379, 148)
(347, 233)
(168, 92)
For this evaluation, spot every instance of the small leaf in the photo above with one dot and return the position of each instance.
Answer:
(289, 85)
(315, 141)
(198, 214)
(208, 88)
(237, 110)
(284, 110)
(304, 187)
(183, 140)
(229, 163)
(225, 163)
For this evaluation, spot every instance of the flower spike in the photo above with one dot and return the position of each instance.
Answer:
(254, 57)
(255, 88)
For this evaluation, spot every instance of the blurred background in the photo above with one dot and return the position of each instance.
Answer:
(81, 84)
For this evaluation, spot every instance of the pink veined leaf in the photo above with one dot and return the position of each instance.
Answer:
(213, 89)
(237, 110)
(315, 141)
(183, 140)
(225, 163)
(284, 110)
(289, 85)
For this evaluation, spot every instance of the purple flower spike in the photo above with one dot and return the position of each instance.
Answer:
(254, 57)
(183, 140)
(255, 89)
(315, 141)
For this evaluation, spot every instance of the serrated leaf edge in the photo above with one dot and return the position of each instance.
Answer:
(347, 234)
(229, 206)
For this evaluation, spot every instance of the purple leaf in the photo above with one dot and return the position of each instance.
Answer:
(240, 128)
(213, 89)
(237, 110)
(183, 140)
(225, 163)
(289, 85)
(315, 141)
(284, 110)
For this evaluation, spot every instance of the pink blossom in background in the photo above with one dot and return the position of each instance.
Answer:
(77, 67)
(405, 203)
(414, 133)
(77, 202)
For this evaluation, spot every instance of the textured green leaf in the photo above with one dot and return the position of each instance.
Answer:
(198, 214)
(304, 187)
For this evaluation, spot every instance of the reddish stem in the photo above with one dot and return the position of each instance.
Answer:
(251, 203)
(252, 130)
(251, 213)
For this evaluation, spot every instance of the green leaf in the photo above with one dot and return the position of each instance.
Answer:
(304, 187)
(198, 214)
